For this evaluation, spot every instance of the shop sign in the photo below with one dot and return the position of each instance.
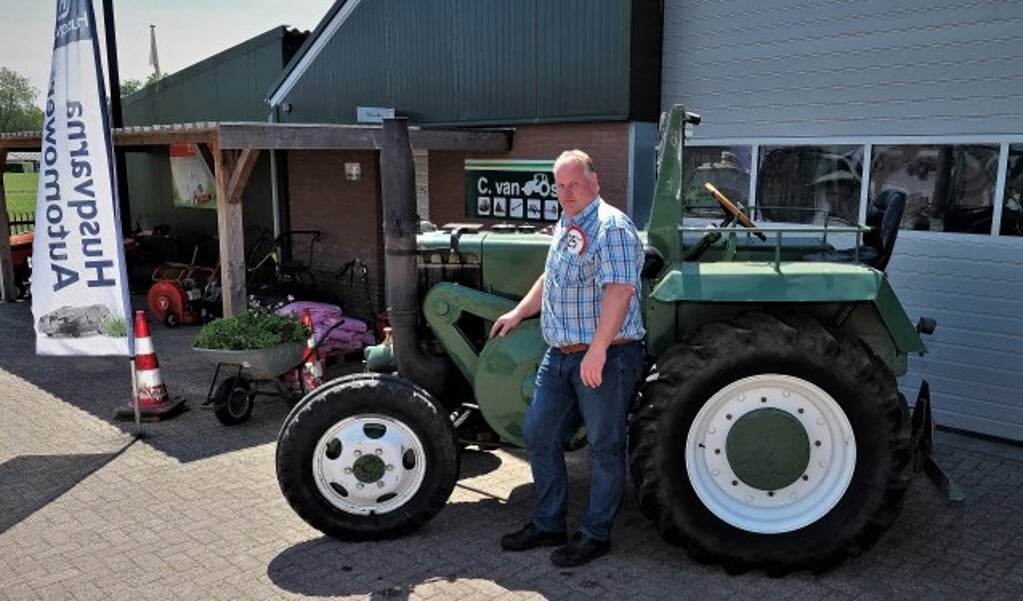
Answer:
(511, 190)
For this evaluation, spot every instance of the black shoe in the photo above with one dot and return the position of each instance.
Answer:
(531, 537)
(579, 550)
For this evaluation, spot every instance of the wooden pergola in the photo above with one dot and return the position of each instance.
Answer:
(232, 150)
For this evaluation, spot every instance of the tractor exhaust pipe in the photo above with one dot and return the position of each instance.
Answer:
(398, 192)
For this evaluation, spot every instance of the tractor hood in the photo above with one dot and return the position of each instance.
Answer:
(510, 261)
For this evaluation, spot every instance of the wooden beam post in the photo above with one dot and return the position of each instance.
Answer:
(8, 289)
(240, 177)
(231, 235)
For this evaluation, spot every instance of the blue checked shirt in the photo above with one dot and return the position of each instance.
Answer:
(598, 246)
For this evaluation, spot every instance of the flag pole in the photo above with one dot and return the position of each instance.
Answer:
(116, 113)
(154, 57)
(120, 167)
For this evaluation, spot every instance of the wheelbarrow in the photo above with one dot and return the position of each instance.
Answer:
(241, 376)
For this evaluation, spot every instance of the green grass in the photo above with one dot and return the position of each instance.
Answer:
(21, 192)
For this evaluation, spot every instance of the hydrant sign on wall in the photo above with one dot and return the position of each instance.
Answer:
(511, 190)
(79, 291)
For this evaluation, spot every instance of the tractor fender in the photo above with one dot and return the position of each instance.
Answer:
(768, 283)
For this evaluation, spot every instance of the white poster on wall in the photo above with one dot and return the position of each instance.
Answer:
(194, 185)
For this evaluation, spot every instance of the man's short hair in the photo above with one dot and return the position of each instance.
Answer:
(575, 156)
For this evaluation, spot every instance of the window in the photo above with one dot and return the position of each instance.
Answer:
(1012, 214)
(803, 184)
(726, 167)
(950, 188)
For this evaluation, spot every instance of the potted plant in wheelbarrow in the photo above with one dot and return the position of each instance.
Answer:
(259, 352)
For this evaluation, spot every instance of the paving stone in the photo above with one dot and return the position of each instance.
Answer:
(193, 511)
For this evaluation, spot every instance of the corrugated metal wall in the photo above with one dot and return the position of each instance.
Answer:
(808, 70)
(973, 286)
(230, 86)
(483, 62)
(854, 67)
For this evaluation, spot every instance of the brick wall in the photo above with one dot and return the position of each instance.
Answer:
(348, 213)
(607, 143)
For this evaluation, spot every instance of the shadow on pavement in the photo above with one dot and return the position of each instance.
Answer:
(30, 482)
(100, 385)
(447, 549)
(477, 463)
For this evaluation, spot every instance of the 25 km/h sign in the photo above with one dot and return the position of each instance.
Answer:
(511, 190)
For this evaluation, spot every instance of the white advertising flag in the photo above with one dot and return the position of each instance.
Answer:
(80, 302)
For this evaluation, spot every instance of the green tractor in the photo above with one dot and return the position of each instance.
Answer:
(769, 432)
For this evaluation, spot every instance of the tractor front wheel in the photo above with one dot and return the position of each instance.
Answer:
(771, 442)
(367, 457)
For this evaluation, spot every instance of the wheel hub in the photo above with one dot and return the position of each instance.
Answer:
(768, 449)
(369, 464)
(368, 469)
(770, 453)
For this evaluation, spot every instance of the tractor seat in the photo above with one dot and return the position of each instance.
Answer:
(883, 219)
(653, 262)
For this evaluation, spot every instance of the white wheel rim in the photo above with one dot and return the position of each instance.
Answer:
(369, 474)
(801, 503)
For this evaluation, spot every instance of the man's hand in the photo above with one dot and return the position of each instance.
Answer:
(529, 305)
(505, 323)
(591, 370)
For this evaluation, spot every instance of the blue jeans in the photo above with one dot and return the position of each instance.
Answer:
(559, 403)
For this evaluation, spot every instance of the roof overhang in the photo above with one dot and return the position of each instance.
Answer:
(314, 44)
(282, 136)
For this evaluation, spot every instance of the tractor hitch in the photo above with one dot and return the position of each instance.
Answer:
(923, 446)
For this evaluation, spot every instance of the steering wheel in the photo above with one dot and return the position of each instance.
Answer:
(733, 210)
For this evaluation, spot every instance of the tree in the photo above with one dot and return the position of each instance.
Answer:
(130, 86)
(18, 111)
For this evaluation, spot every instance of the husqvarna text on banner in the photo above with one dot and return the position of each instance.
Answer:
(79, 287)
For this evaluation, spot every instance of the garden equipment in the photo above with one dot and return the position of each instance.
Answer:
(184, 294)
(279, 270)
(769, 432)
(274, 371)
(286, 370)
(21, 257)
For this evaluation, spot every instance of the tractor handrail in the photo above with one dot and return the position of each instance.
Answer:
(778, 230)
(801, 228)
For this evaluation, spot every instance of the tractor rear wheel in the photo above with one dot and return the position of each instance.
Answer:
(771, 442)
(366, 457)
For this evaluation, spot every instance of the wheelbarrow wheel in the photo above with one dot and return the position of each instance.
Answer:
(233, 401)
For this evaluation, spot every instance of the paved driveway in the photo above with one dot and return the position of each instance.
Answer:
(192, 511)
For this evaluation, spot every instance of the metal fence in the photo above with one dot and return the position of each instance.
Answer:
(21, 222)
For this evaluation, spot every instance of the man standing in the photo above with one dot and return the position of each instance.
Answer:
(588, 299)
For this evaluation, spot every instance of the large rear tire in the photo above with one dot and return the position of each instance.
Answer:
(771, 442)
(367, 457)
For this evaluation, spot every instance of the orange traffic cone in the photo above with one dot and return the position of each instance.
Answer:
(153, 401)
(312, 368)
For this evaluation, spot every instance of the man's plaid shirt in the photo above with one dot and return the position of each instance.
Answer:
(598, 246)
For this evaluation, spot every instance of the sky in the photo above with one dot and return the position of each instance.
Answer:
(187, 31)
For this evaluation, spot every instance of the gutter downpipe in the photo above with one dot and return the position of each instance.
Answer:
(275, 196)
